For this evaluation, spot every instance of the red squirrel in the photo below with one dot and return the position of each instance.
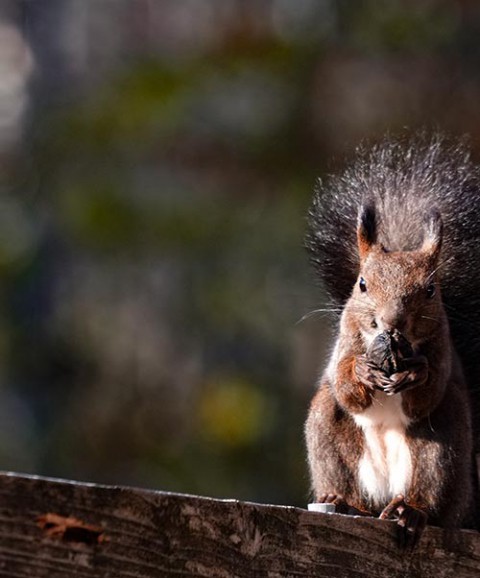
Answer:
(388, 236)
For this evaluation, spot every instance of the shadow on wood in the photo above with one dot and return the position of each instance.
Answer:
(65, 529)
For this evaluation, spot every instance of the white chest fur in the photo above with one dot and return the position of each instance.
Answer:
(385, 469)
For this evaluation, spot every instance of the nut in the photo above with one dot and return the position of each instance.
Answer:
(387, 351)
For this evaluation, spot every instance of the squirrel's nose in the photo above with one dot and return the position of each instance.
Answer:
(400, 325)
(393, 319)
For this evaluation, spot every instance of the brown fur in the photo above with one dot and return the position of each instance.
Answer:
(436, 401)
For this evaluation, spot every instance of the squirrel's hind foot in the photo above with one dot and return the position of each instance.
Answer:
(410, 521)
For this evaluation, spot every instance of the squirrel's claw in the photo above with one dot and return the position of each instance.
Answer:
(410, 521)
(399, 382)
(369, 374)
(415, 374)
(341, 505)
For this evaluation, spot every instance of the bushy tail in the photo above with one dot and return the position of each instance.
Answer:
(405, 178)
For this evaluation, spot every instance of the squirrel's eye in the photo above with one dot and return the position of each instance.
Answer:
(362, 285)
(430, 290)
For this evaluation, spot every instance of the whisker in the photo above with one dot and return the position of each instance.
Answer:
(316, 312)
(360, 308)
(442, 264)
(454, 316)
(431, 318)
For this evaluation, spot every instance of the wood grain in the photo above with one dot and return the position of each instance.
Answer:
(64, 529)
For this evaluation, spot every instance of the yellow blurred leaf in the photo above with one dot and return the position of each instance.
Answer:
(232, 412)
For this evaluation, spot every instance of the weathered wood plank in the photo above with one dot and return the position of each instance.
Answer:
(129, 533)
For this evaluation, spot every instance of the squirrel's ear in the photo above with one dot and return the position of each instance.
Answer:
(367, 229)
(432, 239)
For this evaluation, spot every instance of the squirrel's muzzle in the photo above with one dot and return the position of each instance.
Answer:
(392, 317)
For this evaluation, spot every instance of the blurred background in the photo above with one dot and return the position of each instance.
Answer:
(157, 159)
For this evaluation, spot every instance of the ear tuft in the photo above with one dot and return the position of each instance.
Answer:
(367, 229)
(433, 235)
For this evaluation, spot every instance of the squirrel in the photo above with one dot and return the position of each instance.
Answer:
(396, 241)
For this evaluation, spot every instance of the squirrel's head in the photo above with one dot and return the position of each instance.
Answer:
(397, 289)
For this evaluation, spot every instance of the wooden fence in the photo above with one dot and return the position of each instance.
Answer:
(66, 529)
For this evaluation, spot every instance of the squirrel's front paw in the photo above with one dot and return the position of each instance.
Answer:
(414, 373)
(369, 375)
